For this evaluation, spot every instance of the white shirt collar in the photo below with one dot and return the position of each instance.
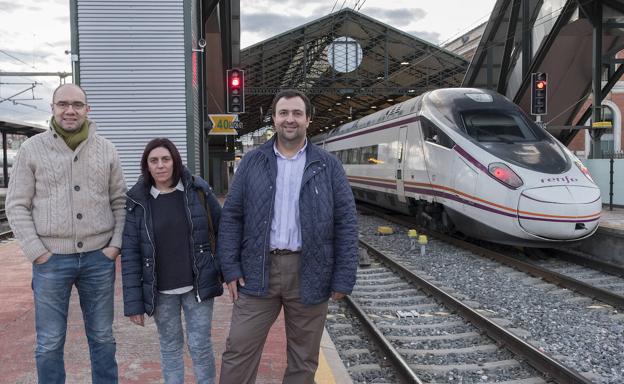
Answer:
(155, 192)
(277, 152)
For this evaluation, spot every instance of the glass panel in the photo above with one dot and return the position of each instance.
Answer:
(493, 126)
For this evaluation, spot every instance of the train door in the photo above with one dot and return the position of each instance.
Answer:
(439, 158)
(400, 168)
(465, 180)
(415, 174)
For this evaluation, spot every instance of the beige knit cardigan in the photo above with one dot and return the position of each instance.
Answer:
(66, 201)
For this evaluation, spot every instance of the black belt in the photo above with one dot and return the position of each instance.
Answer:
(280, 252)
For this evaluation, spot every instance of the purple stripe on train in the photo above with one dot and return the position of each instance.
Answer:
(450, 196)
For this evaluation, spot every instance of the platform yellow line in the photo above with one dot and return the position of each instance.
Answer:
(324, 373)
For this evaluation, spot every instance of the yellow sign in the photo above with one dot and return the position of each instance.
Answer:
(224, 124)
(602, 124)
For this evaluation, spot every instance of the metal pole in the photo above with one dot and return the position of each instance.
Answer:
(5, 161)
(596, 75)
(526, 39)
(611, 161)
(489, 63)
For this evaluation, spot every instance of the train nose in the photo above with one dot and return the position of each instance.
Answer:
(560, 212)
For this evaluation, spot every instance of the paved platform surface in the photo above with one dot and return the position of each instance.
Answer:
(137, 347)
(613, 219)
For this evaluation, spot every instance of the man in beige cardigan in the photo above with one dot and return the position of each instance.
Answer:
(65, 204)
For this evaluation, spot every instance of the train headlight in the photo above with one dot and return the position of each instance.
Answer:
(505, 175)
(584, 170)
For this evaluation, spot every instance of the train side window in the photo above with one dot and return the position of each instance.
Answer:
(343, 157)
(354, 155)
(357, 155)
(434, 134)
(370, 155)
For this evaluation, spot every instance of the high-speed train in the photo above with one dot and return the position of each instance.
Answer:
(469, 160)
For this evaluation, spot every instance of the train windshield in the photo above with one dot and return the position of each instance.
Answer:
(496, 126)
(510, 136)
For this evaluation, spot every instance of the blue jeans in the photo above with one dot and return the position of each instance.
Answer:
(198, 317)
(94, 276)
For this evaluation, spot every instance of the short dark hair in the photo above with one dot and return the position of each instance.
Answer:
(178, 167)
(289, 94)
(65, 85)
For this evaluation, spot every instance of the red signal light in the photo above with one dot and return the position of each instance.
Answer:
(235, 90)
(540, 85)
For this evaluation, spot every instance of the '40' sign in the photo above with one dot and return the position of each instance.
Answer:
(224, 124)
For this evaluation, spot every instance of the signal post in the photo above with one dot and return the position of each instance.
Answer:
(539, 95)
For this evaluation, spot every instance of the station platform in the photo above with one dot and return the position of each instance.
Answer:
(612, 219)
(137, 347)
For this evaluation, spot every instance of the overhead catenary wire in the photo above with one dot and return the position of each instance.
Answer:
(16, 58)
(342, 6)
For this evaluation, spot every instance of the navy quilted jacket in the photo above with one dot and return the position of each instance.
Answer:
(137, 251)
(329, 230)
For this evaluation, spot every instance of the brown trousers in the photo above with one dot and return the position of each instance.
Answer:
(252, 318)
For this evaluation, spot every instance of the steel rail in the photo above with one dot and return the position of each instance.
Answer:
(534, 357)
(401, 365)
(602, 266)
(560, 279)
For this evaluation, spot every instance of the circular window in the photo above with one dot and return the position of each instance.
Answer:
(344, 54)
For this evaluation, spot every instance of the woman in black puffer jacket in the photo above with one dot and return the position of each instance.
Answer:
(167, 259)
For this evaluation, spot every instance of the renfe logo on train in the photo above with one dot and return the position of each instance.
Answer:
(565, 179)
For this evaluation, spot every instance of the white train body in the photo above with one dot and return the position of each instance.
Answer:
(472, 159)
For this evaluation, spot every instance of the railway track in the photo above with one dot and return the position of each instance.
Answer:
(580, 279)
(602, 276)
(429, 336)
(573, 328)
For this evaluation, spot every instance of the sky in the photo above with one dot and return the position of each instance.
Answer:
(35, 36)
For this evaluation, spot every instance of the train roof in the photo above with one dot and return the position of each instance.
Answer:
(468, 98)
(444, 99)
(387, 114)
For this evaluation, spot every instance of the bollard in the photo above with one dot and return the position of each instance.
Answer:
(364, 258)
(422, 240)
(384, 230)
(412, 234)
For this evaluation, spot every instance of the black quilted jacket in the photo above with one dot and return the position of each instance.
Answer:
(137, 251)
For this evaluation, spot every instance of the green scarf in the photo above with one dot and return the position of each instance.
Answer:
(72, 139)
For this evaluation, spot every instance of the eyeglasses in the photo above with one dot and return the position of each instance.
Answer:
(77, 105)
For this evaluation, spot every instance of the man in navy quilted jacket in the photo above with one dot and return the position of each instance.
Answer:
(287, 238)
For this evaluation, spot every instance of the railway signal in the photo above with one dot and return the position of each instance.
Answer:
(539, 93)
(235, 90)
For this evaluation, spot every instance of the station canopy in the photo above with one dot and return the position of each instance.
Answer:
(350, 65)
(20, 127)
